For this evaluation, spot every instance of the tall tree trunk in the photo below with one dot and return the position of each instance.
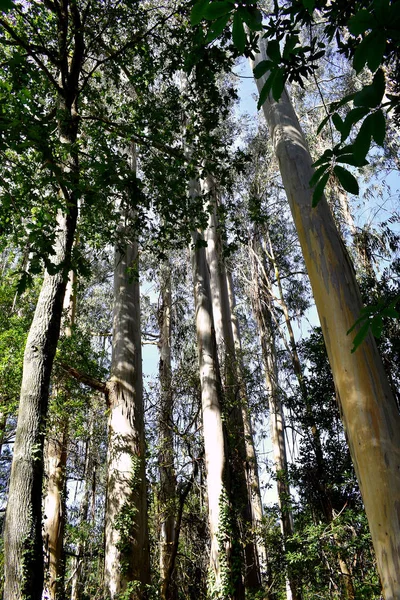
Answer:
(167, 495)
(231, 379)
(262, 312)
(253, 482)
(127, 559)
(89, 472)
(226, 581)
(370, 415)
(54, 510)
(320, 475)
(23, 527)
(56, 463)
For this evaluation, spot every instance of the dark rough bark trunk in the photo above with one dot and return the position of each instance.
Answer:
(253, 483)
(23, 527)
(54, 518)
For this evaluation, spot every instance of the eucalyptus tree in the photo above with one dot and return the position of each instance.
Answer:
(240, 442)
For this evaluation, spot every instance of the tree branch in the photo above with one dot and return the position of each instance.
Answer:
(92, 382)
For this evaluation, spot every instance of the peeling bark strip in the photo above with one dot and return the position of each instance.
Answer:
(370, 415)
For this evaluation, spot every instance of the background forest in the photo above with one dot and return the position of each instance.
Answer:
(199, 337)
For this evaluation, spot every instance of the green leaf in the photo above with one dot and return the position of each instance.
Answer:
(361, 335)
(378, 127)
(361, 21)
(376, 49)
(6, 5)
(318, 173)
(371, 95)
(217, 28)
(251, 16)
(309, 5)
(362, 142)
(197, 12)
(394, 13)
(278, 84)
(337, 121)
(238, 33)
(319, 189)
(350, 159)
(290, 44)
(382, 11)
(322, 124)
(335, 105)
(377, 325)
(347, 180)
(265, 91)
(361, 54)
(215, 10)
(325, 158)
(273, 51)
(351, 118)
(389, 311)
(262, 67)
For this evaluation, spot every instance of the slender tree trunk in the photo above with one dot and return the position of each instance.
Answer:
(167, 495)
(320, 476)
(56, 462)
(127, 559)
(262, 312)
(54, 510)
(227, 358)
(253, 482)
(370, 415)
(226, 583)
(77, 563)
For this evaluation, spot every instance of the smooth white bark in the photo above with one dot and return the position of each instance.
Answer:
(370, 415)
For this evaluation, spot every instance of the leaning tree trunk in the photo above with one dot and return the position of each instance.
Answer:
(370, 415)
(226, 582)
(167, 495)
(262, 312)
(127, 560)
(23, 558)
(23, 526)
(231, 379)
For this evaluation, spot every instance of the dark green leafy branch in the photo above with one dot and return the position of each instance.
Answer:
(372, 40)
(372, 319)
